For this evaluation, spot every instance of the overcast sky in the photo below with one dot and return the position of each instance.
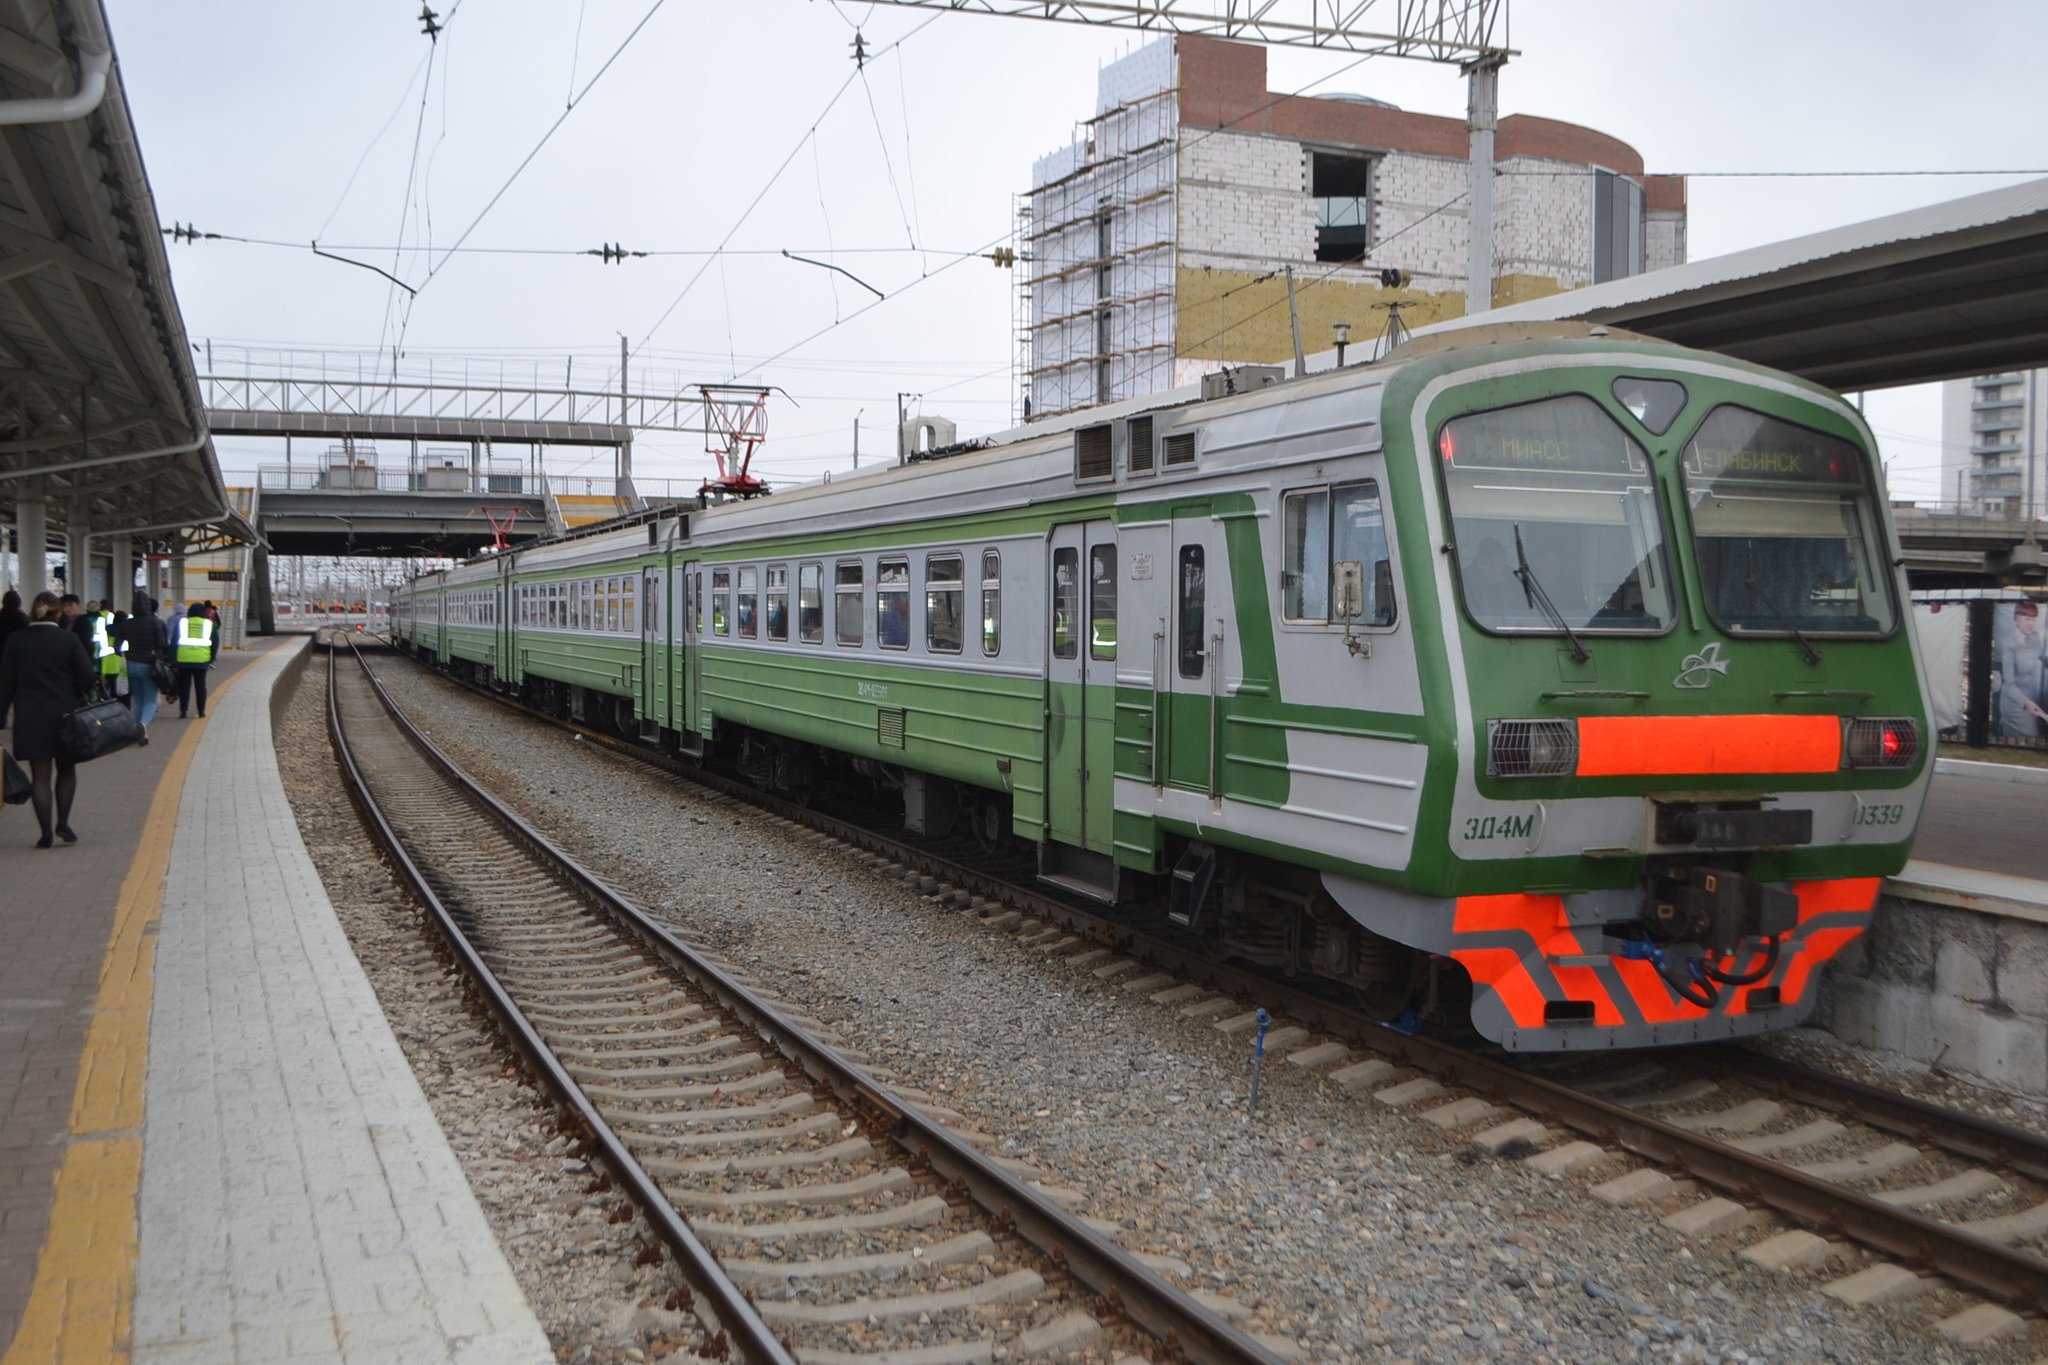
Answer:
(747, 125)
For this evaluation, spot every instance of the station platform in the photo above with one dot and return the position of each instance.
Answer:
(211, 1146)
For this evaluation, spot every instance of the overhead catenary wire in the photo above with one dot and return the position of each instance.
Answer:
(1005, 236)
(182, 233)
(773, 177)
(405, 211)
(434, 268)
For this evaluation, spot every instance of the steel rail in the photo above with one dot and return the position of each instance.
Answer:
(1136, 1291)
(735, 1314)
(2002, 1146)
(2016, 1278)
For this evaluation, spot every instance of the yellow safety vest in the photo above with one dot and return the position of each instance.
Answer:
(102, 646)
(111, 650)
(195, 640)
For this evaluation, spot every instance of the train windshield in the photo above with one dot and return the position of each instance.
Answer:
(1788, 537)
(1554, 516)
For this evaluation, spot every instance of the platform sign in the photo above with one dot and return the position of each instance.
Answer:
(223, 575)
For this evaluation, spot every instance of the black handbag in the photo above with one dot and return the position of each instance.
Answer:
(166, 677)
(98, 729)
(18, 787)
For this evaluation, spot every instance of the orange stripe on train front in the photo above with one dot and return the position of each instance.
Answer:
(1673, 746)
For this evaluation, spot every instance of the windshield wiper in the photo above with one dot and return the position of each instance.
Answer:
(1770, 600)
(1532, 591)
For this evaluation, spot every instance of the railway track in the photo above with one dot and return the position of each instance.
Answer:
(1939, 1192)
(815, 1214)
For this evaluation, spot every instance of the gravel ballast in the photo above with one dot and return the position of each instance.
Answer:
(1354, 1231)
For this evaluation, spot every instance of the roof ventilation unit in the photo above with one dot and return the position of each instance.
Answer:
(1242, 379)
(1140, 437)
(1094, 453)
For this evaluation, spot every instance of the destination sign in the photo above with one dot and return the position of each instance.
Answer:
(1734, 443)
(1570, 434)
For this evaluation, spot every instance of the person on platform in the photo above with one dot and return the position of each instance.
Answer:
(145, 640)
(44, 673)
(194, 647)
(2021, 665)
(12, 618)
(72, 616)
(113, 667)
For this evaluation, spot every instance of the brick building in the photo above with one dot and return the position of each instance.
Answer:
(1157, 243)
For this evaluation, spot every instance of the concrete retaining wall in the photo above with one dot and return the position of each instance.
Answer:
(1959, 983)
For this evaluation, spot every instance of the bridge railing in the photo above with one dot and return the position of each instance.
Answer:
(367, 477)
(1974, 517)
(456, 397)
(370, 478)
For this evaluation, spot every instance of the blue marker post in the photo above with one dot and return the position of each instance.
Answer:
(1258, 1063)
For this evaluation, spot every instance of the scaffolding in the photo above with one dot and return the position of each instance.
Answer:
(1098, 246)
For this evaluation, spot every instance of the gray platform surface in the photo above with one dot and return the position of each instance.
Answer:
(298, 1199)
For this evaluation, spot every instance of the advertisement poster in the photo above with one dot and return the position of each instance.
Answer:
(1943, 629)
(2019, 652)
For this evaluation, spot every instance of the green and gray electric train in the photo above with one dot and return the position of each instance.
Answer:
(1558, 674)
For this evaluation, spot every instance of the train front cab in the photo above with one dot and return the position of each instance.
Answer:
(1689, 717)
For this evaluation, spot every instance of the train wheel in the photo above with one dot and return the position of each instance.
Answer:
(1390, 998)
(988, 821)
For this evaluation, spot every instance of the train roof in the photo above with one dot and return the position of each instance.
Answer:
(1035, 462)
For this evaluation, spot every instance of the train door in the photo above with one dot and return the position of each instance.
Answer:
(654, 698)
(503, 666)
(1146, 647)
(691, 577)
(1081, 686)
(1195, 680)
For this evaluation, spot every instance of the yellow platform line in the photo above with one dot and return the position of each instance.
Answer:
(81, 1305)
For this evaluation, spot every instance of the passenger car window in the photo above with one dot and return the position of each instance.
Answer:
(991, 602)
(892, 604)
(745, 601)
(778, 601)
(848, 584)
(810, 603)
(721, 599)
(944, 593)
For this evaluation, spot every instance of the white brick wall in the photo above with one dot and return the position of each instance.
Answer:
(1663, 240)
(1543, 220)
(1244, 201)
(1421, 221)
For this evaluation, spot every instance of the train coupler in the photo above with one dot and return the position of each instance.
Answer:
(1716, 908)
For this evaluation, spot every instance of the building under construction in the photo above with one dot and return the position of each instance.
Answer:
(1161, 244)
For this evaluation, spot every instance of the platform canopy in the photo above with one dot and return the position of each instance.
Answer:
(1954, 289)
(100, 417)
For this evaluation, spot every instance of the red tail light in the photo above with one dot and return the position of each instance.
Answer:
(1880, 742)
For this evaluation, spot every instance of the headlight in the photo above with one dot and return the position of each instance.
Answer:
(1531, 748)
(1880, 742)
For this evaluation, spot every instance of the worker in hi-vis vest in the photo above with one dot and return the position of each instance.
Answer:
(112, 661)
(194, 646)
(103, 648)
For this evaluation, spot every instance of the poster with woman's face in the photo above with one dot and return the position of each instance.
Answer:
(2019, 656)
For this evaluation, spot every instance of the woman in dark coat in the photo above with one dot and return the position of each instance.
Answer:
(44, 673)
